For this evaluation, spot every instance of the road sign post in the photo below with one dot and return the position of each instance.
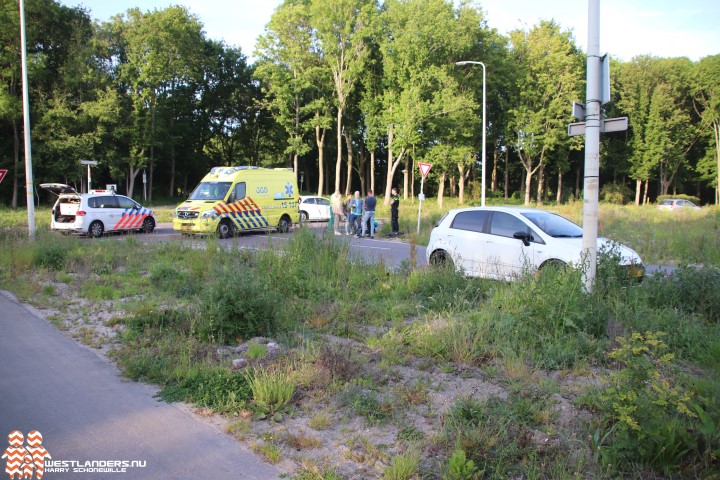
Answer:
(89, 163)
(424, 169)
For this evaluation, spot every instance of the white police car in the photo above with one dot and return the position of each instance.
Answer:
(97, 212)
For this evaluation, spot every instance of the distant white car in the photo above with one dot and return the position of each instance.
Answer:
(314, 208)
(97, 212)
(676, 204)
(505, 242)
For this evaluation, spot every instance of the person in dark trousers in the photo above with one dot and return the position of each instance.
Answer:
(395, 211)
(369, 216)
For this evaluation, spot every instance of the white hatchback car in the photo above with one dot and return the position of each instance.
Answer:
(505, 242)
(314, 208)
(97, 212)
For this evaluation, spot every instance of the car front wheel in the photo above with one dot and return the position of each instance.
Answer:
(148, 225)
(440, 258)
(96, 229)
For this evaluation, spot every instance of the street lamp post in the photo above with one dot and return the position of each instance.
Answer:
(468, 62)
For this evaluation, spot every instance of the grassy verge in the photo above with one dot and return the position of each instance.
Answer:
(408, 373)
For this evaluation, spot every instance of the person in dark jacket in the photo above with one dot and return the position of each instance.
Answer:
(395, 211)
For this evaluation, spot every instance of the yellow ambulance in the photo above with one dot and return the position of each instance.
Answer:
(230, 200)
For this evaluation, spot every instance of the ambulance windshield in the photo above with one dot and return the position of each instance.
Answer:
(210, 191)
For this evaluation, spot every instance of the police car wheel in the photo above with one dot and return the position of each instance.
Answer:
(148, 225)
(96, 229)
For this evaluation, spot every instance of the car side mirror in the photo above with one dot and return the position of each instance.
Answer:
(524, 236)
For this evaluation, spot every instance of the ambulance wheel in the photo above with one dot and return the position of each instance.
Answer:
(96, 229)
(225, 229)
(285, 224)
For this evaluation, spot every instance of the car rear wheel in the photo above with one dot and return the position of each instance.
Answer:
(303, 217)
(440, 258)
(148, 225)
(96, 229)
(285, 224)
(225, 229)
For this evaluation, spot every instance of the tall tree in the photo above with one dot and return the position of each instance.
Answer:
(341, 28)
(707, 104)
(550, 76)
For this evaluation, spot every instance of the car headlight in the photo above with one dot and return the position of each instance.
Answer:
(207, 214)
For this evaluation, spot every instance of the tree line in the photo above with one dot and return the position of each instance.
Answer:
(351, 94)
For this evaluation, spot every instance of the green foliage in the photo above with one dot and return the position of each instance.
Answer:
(237, 305)
(403, 466)
(218, 388)
(648, 411)
(690, 289)
(50, 254)
(363, 402)
(272, 388)
(617, 193)
(461, 468)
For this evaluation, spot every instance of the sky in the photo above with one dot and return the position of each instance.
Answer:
(663, 28)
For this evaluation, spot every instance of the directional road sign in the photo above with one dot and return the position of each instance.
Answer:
(618, 124)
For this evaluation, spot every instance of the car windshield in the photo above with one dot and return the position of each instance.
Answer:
(554, 225)
(210, 191)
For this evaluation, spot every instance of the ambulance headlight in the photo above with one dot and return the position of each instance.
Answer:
(207, 214)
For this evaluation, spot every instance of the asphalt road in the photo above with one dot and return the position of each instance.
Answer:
(86, 411)
(389, 250)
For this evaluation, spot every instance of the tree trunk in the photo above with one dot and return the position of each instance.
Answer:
(453, 186)
(406, 176)
(132, 173)
(171, 190)
(577, 183)
(461, 184)
(372, 171)
(716, 131)
(320, 141)
(348, 142)
(338, 162)
(412, 177)
(493, 181)
(559, 191)
(392, 164)
(645, 197)
(507, 173)
(638, 190)
(16, 164)
(528, 182)
(441, 189)
(541, 185)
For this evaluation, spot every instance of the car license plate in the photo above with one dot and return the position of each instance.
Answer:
(186, 227)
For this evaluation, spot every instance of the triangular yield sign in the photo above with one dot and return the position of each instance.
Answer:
(424, 168)
(2, 174)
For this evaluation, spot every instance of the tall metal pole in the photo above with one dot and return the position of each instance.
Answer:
(26, 116)
(592, 145)
(482, 184)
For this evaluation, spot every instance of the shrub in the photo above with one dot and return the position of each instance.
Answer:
(690, 289)
(237, 305)
(461, 468)
(218, 388)
(647, 410)
(615, 193)
(272, 388)
(51, 255)
(403, 466)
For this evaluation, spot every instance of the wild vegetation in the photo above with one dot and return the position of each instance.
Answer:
(404, 373)
(149, 92)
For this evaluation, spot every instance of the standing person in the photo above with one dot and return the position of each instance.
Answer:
(395, 211)
(370, 204)
(355, 214)
(337, 210)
